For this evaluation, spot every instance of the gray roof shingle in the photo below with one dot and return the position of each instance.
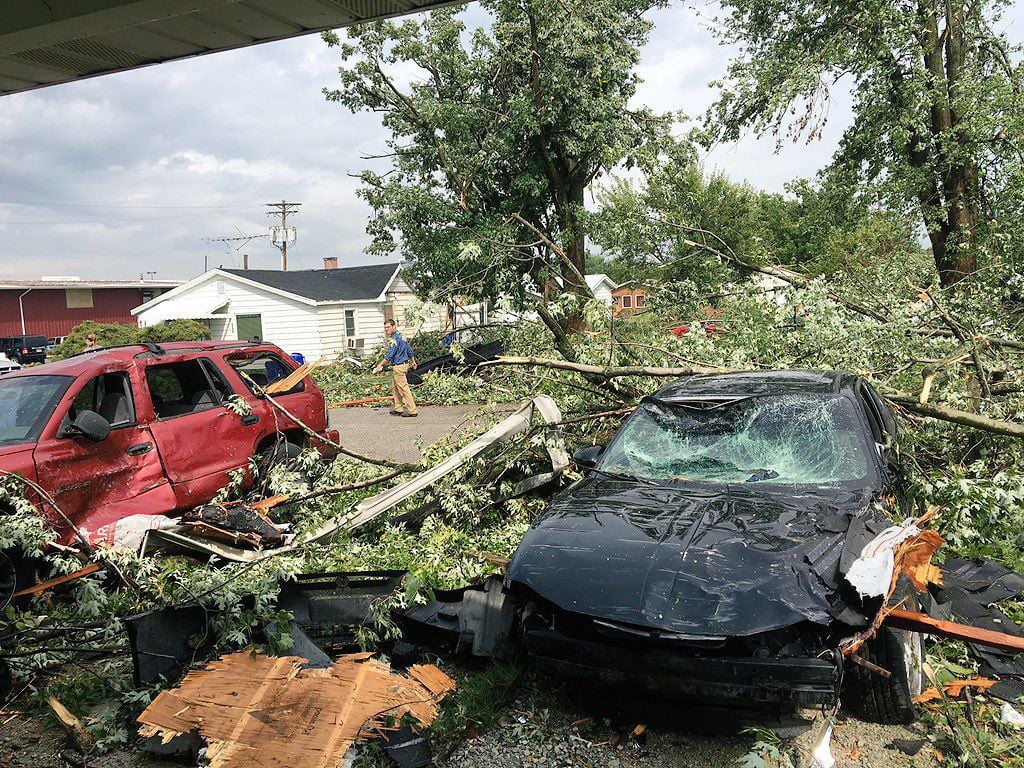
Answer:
(342, 284)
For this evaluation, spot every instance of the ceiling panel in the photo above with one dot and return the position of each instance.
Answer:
(43, 45)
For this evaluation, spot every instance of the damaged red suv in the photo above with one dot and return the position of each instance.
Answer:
(145, 429)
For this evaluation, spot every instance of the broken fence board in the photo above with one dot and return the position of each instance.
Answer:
(920, 622)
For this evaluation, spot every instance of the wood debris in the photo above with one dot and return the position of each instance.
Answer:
(293, 378)
(78, 735)
(921, 622)
(258, 711)
(954, 688)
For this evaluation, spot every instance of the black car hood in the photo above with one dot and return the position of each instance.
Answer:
(702, 561)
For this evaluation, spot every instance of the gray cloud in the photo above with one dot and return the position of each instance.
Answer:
(227, 132)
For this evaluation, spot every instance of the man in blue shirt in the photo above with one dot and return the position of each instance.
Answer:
(400, 357)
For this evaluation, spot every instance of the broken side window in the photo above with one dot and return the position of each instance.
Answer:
(264, 368)
(794, 439)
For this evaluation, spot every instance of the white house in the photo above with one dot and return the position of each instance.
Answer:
(315, 312)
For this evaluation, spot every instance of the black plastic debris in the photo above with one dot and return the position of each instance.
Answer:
(331, 606)
(303, 647)
(476, 619)
(970, 590)
(166, 642)
(472, 357)
(407, 748)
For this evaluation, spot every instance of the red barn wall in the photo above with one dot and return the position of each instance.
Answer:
(47, 313)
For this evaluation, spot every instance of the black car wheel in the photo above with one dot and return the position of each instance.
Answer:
(889, 700)
(282, 453)
(16, 573)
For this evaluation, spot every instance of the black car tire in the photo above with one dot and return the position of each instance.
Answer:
(282, 452)
(889, 701)
(16, 573)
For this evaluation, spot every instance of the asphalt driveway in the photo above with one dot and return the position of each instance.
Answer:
(375, 433)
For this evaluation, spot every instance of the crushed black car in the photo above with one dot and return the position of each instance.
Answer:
(704, 552)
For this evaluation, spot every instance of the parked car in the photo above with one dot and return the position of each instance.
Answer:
(144, 429)
(24, 349)
(703, 553)
(7, 365)
(54, 342)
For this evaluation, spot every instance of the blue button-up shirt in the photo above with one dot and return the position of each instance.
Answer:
(399, 350)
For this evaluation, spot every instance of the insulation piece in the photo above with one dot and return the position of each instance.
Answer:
(259, 711)
(872, 574)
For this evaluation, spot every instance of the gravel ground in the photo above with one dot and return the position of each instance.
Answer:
(549, 729)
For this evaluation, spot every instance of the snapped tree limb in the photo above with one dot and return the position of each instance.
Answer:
(910, 402)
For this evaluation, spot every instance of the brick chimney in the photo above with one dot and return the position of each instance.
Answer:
(331, 262)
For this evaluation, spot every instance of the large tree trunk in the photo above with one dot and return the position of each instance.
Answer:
(948, 198)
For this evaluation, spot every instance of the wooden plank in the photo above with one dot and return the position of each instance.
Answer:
(920, 622)
(38, 589)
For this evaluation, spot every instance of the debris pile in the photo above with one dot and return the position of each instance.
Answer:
(259, 711)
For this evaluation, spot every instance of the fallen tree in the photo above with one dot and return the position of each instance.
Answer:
(911, 403)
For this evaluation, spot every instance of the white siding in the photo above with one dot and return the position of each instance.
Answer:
(369, 322)
(413, 315)
(290, 324)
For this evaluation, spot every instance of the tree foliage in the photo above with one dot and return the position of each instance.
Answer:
(496, 135)
(938, 106)
(675, 223)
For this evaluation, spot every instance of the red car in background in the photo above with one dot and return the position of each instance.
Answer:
(144, 429)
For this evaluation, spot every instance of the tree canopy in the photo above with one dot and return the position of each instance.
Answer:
(938, 106)
(496, 135)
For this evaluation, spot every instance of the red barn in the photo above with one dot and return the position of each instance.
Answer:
(53, 306)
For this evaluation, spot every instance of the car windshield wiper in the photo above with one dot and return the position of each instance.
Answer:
(624, 476)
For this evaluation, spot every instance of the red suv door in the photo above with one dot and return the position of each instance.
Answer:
(95, 483)
(199, 439)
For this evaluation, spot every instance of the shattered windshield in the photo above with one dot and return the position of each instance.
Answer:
(804, 439)
(26, 404)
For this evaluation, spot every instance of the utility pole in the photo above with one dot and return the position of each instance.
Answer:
(283, 234)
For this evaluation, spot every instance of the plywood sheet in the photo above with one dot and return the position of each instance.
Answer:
(259, 711)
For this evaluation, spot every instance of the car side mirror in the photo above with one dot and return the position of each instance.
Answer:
(91, 426)
(587, 457)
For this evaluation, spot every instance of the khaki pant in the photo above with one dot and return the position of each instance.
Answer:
(400, 390)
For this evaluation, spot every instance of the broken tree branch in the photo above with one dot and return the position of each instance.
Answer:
(603, 372)
(786, 275)
(910, 402)
(955, 416)
(350, 487)
(963, 337)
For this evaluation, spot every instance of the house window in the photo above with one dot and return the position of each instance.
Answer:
(627, 302)
(640, 299)
(78, 298)
(350, 323)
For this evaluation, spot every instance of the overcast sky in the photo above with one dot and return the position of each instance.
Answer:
(128, 173)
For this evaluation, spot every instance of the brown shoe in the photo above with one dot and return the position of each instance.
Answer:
(410, 415)
(393, 412)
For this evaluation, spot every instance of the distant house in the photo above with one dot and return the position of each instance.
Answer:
(629, 299)
(52, 306)
(332, 311)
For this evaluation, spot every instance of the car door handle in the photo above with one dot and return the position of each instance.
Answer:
(138, 450)
(249, 419)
